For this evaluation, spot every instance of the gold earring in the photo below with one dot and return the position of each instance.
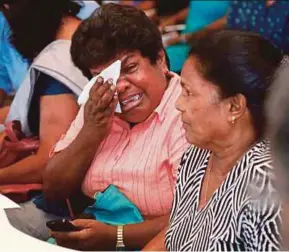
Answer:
(233, 120)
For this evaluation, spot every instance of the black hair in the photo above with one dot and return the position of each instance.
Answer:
(34, 23)
(112, 30)
(239, 63)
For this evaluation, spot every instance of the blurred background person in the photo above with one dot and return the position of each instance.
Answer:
(267, 17)
(194, 14)
(46, 102)
(200, 14)
(14, 65)
(161, 11)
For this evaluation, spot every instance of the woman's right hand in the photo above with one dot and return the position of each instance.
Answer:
(100, 107)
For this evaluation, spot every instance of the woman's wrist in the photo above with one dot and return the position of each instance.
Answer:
(90, 136)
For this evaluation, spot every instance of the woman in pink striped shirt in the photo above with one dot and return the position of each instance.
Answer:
(138, 150)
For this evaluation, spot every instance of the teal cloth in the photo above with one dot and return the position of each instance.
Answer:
(201, 14)
(114, 208)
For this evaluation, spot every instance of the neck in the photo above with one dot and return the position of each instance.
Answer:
(68, 27)
(226, 153)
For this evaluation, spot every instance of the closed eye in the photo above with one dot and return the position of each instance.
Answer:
(187, 92)
(130, 68)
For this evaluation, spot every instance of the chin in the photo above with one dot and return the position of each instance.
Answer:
(192, 139)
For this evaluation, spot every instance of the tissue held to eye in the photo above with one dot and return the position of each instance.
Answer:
(111, 72)
(140, 86)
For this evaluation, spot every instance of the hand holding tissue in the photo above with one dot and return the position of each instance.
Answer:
(111, 72)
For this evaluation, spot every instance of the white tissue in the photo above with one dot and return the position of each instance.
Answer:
(111, 72)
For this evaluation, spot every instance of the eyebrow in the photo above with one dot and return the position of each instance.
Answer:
(123, 62)
(125, 59)
(184, 83)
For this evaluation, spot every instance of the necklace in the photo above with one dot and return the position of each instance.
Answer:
(208, 180)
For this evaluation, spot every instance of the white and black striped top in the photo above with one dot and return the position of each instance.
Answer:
(243, 213)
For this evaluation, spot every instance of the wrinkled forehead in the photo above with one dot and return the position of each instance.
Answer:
(192, 78)
(124, 57)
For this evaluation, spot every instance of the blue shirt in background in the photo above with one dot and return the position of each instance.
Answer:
(201, 13)
(88, 8)
(13, 67)
(270, 22)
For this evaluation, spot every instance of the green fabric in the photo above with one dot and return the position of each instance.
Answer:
(114, 208)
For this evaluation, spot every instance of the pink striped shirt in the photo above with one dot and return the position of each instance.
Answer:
(141, 161)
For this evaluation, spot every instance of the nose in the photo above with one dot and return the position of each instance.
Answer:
(179, 103)
(122, 84)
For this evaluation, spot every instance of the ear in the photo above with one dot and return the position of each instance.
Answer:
(237, 107)
(162, 61)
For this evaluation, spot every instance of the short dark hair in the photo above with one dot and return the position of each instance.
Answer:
(34, 23)
(112, 30)
(239, 63)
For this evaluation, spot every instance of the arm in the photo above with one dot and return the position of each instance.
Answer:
(157, 243)
(99, 236)
(2, 97)
(52, 125)
(215, 26)
(72, 163)
(3, 114)
(174, 19)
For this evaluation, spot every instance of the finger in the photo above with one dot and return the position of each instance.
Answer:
(114, 103)
(95, 96)
(107, 112)
(110, 110)
(106, 99)
(107, 85)
(82, 223)
(99, 81)
(66, 236)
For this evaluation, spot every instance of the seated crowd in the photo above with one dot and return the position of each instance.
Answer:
(189, 157)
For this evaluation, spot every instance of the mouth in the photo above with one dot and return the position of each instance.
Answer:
(185, 125)
(131, 101)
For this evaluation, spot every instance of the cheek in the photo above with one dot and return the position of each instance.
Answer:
(154, 93)
(202, 120)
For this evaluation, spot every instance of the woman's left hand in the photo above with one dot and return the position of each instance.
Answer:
(93, 235)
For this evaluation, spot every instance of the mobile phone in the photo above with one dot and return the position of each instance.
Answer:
(61, 225)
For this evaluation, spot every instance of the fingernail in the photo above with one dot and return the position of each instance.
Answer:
(99, 79)
(110, 81)
(113, 88)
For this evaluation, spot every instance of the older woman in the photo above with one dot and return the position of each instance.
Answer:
(228, 169)
(138, 150)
